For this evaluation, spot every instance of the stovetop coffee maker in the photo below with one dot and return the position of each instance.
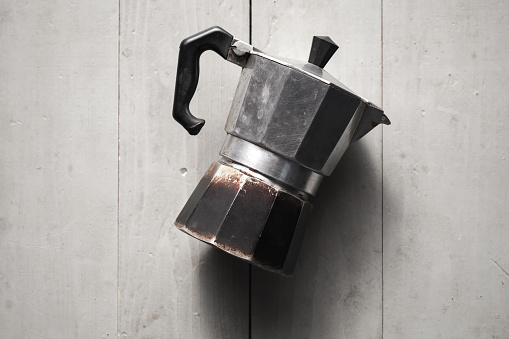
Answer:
(289, 124)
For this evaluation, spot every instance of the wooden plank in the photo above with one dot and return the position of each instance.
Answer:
(58, 169)
(172, 285)
(337, 288)
(445, 169)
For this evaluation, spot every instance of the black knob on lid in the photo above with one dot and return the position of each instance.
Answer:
(322, 50)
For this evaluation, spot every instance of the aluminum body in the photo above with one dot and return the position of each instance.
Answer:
(289, 124)
(247, 215)
(298, 112)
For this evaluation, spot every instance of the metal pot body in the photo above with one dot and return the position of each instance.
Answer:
(289, 125)
(293, 114)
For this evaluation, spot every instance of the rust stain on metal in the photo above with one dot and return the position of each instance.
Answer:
(247, 217)
(212, 170)
(228, 176)
(234, 212)
(270, 268)
(208, 238)
(179, 224)
(212, 206)
(235, 251)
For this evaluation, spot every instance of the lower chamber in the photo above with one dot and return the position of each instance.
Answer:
(247, 215)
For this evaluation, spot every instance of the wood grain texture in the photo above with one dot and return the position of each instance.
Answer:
(172, 285)
(445, 170)
(77, 178)
(337, 288)
(58, 169)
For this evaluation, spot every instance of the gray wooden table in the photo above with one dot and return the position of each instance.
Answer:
(408, 237)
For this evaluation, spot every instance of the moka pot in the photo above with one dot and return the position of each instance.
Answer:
(289, 125)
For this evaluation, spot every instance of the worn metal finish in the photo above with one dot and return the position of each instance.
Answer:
(264, 178)
(271, 164)
(252, 218)
(289, 124)
(297, 111)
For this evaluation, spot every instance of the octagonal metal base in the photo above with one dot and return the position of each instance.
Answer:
(248, 216)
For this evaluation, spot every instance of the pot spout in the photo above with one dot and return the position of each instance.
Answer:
(371, 117)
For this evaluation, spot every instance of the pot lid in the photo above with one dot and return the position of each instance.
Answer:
(322, 49)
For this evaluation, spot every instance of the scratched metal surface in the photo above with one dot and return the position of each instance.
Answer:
(76, 179)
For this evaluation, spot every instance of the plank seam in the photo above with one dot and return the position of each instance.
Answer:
(250, 268)
(118, 169)
(382, 154)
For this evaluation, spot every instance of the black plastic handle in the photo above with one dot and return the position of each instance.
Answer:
(188, 71)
